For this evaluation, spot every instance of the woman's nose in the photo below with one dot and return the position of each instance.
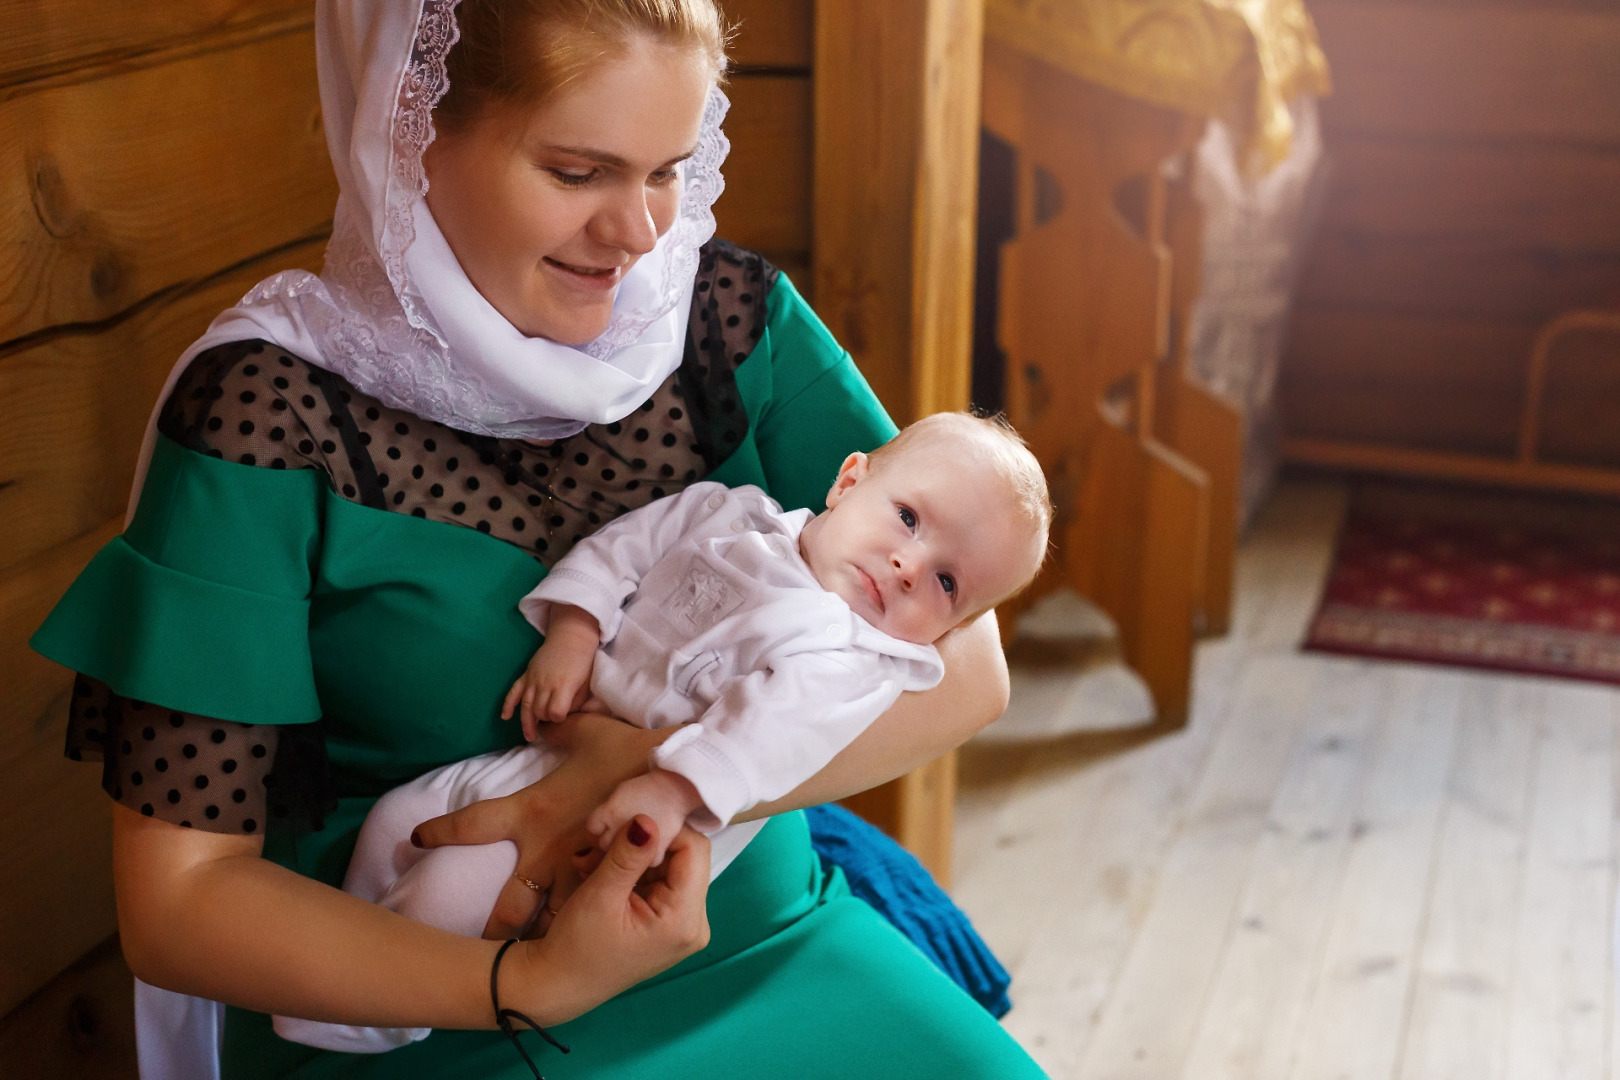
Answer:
(627, 223)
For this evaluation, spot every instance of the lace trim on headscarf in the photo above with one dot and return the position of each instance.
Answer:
(422, 86)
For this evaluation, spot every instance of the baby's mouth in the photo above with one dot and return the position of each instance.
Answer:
(873, 593)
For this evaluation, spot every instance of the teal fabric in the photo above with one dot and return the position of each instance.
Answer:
(809, 407)
(801, 980)
(158, 614)
(402, 635)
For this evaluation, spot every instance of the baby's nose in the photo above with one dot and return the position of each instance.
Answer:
(905, 569)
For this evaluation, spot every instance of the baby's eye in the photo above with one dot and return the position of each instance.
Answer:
(907, 517)
(947, 583)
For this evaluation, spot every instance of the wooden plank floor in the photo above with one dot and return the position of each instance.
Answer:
(1340, 870)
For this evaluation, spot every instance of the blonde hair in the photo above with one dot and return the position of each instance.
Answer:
(519, 52)
(1007, 454)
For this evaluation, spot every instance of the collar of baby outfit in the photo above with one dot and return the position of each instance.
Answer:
(393, 312)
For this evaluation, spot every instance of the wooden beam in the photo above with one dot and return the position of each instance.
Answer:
(124, 186)
(46, 38)
(766, 203)
(772, 33)
(73, 408)
(1475, 468)
(897, 105)
(1469, 72)
(56, 859)
(896, 182)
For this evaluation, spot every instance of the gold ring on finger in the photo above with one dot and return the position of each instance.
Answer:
(533, 885)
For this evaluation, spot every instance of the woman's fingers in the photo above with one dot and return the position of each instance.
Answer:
(563, 887)
(480, 823)
(627, 858)
(685, 883)
(686, 866)
(586, 859)
(532, 700)
(609, 937)
(516, 911)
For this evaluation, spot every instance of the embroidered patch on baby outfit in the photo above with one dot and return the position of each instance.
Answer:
(700, 598)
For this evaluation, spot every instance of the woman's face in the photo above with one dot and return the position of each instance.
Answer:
(548, 207)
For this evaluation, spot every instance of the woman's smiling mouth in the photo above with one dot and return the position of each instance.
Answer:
(588, 276)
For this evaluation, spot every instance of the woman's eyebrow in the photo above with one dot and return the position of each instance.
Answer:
(604, 157)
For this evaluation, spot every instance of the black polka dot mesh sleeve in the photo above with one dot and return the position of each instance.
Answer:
(187, 770)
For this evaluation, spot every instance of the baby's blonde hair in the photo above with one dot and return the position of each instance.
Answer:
(519, 52)
(1007, 454)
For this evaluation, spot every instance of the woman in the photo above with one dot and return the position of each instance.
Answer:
(520, 333)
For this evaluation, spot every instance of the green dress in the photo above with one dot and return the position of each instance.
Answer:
(273, 592)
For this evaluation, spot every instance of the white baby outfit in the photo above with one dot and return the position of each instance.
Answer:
(710, 618)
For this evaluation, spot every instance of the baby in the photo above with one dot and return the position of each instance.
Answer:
(774, 637)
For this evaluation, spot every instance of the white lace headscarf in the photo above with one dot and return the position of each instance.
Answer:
(393, 312)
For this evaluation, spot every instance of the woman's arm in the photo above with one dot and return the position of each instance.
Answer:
(202, 913)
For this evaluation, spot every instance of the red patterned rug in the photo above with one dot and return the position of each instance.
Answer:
(1475, 579)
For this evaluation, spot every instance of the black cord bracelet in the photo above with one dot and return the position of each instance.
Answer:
(504, 1017)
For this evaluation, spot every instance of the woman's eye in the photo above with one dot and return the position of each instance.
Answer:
(947, 583)
(573, 179)
(908, 518)
(663, 178)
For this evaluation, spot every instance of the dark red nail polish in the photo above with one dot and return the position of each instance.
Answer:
(638, 835)
(584, 851)
(416, 838)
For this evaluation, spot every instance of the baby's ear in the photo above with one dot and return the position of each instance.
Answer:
(850, 473)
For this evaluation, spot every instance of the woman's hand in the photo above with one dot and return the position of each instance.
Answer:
(622, 925)
(665, 797)
(309, 950)
(546, 820)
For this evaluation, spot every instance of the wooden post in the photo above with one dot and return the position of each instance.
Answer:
(896, 185)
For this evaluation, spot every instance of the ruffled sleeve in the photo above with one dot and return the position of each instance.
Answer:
(202, 604)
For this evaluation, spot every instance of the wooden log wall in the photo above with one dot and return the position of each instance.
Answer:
(1474, 193)
(155, 161)
(767, 202)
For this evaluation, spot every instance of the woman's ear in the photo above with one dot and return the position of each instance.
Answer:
(850, 473)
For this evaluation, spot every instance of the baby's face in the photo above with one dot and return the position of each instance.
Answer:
(921, 542)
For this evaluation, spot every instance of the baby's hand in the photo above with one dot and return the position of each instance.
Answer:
(558, 678)
(664, 796)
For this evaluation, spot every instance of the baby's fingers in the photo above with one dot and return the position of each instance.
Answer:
(533, 698)
(513, 696)
(603, 825)
(558, 705)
